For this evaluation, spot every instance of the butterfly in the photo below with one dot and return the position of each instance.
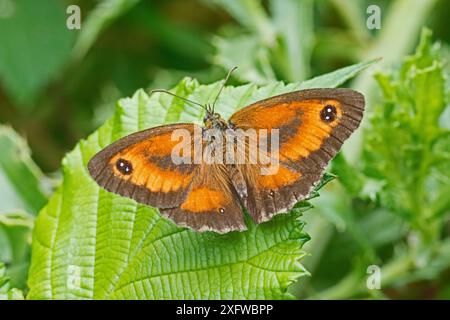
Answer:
(310, 126)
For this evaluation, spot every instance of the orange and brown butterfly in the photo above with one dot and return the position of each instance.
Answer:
(207, 196)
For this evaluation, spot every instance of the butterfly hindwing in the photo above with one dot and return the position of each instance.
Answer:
(211, 203)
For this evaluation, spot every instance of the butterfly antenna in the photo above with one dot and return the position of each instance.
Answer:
(179, 97)
(221, 88)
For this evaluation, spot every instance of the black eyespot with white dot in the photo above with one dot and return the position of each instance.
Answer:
(271, 192)
(222, 210)
(328, 113)
(124, 166)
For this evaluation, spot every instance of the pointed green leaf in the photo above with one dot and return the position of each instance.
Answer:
(22, 179)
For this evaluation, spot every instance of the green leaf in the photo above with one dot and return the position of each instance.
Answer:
(15, 245)
(6, 292)
(17, 219)
(20, 178)
(89, 243)
(35, 43)
(246, 52)
(251, 14)
(267, 47)
(338, 77)
(351, 178)
(353, 13)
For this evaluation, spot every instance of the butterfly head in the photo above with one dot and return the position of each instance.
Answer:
(214, 120)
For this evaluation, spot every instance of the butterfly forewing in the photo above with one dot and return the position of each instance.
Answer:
(140, 166)
(312, 126)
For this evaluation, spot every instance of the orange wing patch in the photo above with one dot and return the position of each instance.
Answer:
(162, 145)
(312, 131)
(273, 117)
(283, 177)
(211, 204)
(204, 199)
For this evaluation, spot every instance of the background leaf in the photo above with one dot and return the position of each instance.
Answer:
(23, 72)
(293, 20)
(6, 292)
(98, 19)
(21, 179)
(15, 246)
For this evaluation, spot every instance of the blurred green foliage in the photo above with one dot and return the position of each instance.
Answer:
(390, 207)
(6, 291)
(406, 147)
(15, 241)
(22, 180)
(34, 46)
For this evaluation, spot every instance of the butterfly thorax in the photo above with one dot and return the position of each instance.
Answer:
(214, 121)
